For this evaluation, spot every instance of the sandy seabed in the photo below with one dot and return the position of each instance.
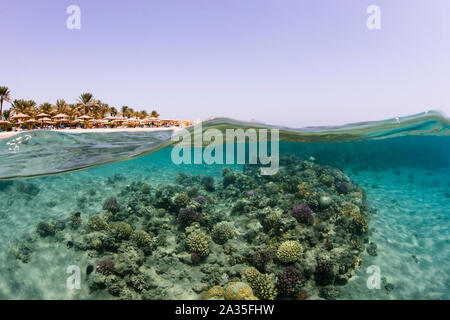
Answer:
(410, 228)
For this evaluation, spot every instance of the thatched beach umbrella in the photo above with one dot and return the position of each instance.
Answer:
(85, 117)
(42, 115)
(20, 116)
(30, 121)
(3, 122)
(61, 116)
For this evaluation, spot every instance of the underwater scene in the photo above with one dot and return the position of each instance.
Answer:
(360, 211)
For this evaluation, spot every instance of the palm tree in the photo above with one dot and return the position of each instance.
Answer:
(5, 95)
(72, 110)
(46, 107)
(23, 106)
(154, 114)
(87, 102)
(6, 114)
(113, 111)
(61, 106)
(124, 111)
(142, 114)
(103, 110)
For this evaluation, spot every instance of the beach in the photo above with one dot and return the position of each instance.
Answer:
(4, 135)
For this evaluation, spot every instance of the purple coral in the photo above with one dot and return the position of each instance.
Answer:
(288, 281)
(105, 266)
(324, 272)
(188, 215)
(200, 199)
(261, 258)
(111, 205)
(303, 214)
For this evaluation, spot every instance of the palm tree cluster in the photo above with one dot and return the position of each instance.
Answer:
(86, 104)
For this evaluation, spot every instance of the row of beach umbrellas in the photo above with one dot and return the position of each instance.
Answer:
(45, 118)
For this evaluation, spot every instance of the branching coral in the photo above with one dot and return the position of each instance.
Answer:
(271, 221)
(262, 284)
(181, 200)
(143, 240)
(198, 243)
(222, 232)
(289, 251)
(351, 210)
(304, 190)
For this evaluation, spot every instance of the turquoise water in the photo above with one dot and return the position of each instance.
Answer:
(399, 175)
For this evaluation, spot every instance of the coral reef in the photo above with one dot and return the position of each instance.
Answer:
(299, 233)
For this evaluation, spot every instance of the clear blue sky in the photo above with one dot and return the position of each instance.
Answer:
(288, 62)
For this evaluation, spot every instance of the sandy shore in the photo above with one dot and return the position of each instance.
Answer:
(4, 135)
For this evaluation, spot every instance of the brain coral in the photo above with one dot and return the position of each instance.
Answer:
(289, 251)
(215, 293)
(239, 291)
(262, 284)
(198, 243)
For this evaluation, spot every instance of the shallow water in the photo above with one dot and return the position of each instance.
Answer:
(405, 176)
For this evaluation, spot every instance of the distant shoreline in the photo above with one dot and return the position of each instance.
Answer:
(4, 135)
